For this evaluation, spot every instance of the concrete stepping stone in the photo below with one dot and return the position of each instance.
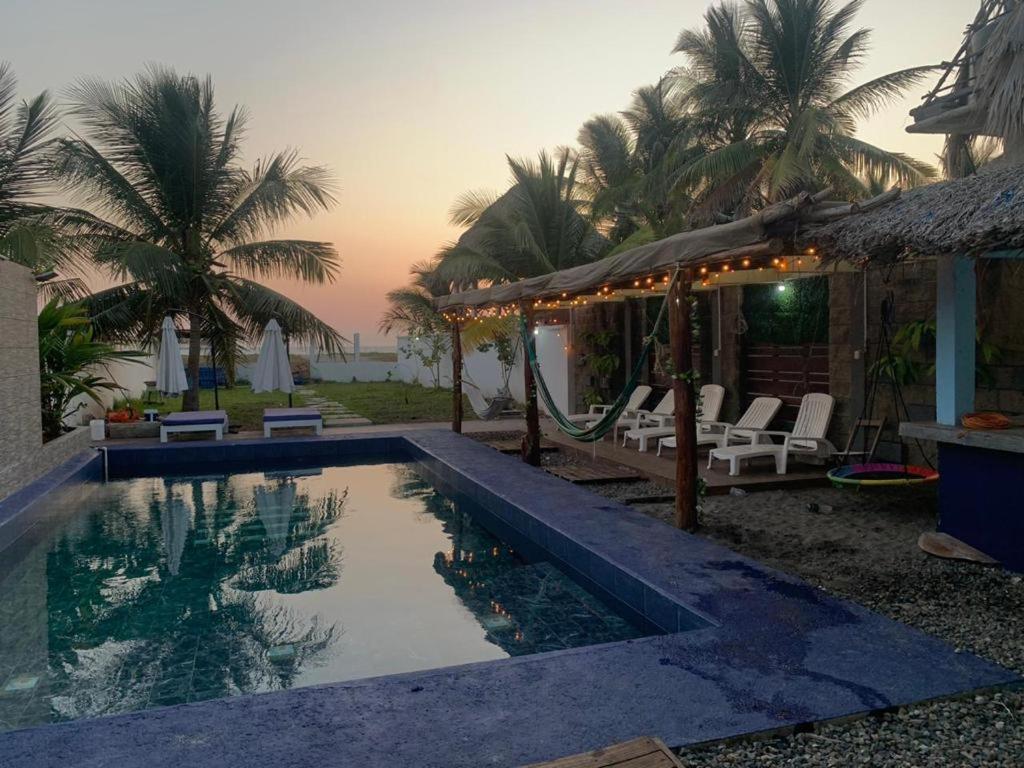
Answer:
(354, 421)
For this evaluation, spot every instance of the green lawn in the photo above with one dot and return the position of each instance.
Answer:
(380, 402)
(393, 402)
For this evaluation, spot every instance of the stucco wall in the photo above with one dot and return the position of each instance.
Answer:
(21, 432)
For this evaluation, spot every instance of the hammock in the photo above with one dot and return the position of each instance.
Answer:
(607, 421)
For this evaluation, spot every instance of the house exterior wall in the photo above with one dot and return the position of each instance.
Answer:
(912, 286)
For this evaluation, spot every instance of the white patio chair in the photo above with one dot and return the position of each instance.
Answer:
(806, 439)
(720, 433)
(594, 414)
(711, 397)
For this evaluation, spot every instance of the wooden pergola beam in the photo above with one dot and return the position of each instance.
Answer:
(531, 440)
(681, 344)
(456, 379)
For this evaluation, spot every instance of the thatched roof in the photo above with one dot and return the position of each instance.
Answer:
(768, 232)
(971, 216)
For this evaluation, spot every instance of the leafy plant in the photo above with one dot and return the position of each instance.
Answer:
(69, 363)
(913, 355)
(603, 362)
(500, 334)
(411, 309)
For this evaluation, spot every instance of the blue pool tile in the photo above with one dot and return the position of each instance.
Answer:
(660, 610)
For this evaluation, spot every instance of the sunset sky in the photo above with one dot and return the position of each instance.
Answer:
(412, 103)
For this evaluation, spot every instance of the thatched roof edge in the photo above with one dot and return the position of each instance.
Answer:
(974, 215)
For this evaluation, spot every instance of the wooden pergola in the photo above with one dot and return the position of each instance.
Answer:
(759, 248)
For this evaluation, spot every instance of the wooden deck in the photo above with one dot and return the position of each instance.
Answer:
(759, 475)
(594, 474)
(638, 753)
(516, 445)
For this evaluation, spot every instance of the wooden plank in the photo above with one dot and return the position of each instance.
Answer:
(515, 445)
(583, 474)
(639, 753)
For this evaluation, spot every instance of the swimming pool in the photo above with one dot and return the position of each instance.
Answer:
(741, 648)
(166, 590)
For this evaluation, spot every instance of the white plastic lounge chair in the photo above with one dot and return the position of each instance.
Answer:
(194, 421)
(806, 439)
(661, 416)
(595, 413)
(281, 418)
(711, 397)
(720, 433)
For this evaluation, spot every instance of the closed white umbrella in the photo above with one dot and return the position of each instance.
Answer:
(170, 371)
(275, 506)
(175, 521)
(273, 369)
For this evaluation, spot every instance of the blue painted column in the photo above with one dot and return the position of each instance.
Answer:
(955, 329)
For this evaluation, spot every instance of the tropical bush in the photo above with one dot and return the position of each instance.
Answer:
(71, 363)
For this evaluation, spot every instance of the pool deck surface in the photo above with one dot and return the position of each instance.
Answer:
(772, 652)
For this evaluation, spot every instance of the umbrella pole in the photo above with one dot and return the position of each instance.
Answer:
(288, 354)
(213, 363)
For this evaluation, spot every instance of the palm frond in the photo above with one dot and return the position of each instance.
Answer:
(255, 305)
(277, 189)
(866, 99)
(469, 207)
(307, 260)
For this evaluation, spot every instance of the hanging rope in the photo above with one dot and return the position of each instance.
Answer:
(607, 422)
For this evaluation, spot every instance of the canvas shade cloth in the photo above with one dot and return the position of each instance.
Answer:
(694, 246)
(788, 224)
(170, 370)
(274, 505)
(273, 369)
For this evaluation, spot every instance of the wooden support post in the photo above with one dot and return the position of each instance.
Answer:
(681, 343)
(531, 440)
(456, 379)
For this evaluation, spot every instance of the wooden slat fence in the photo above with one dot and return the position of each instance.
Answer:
(786, 372)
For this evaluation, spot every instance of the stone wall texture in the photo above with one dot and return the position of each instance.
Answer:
(20, 422)
(23, 456)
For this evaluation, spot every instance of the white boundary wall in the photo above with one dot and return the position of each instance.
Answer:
(480, 369)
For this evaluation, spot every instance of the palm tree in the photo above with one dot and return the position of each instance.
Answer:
(71, 363)
(532, 229)
(628, 164)
(26, 130)
(182, 227)
(771, 80)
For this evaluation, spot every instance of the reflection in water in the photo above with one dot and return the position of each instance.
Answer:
(162, 591)
(523, 607)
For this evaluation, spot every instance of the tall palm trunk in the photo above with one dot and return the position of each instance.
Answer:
(190, 400)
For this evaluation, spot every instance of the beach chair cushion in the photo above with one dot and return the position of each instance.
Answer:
(291, 414)
(195, 418)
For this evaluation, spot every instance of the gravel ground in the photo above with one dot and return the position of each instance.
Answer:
(862, 546)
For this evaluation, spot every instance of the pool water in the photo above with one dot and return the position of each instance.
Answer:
(160, 591)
